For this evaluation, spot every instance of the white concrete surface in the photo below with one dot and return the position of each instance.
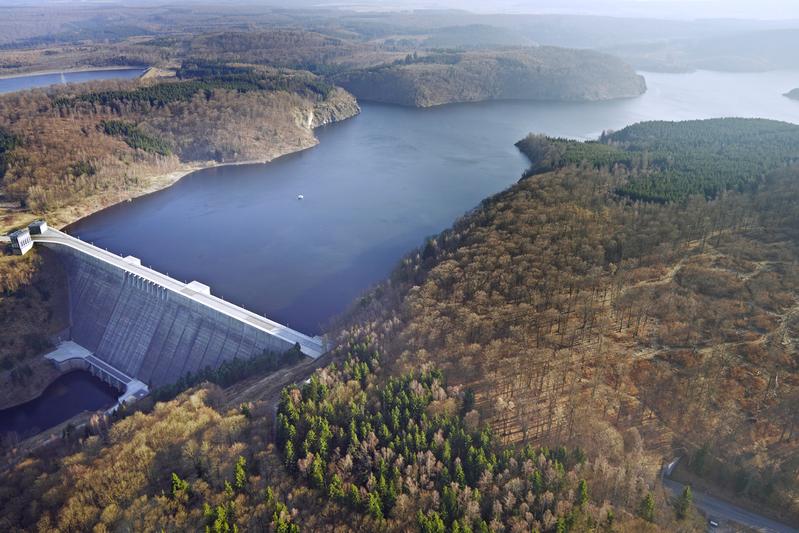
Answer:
(196, 286)
(69, 350)
(310, 346)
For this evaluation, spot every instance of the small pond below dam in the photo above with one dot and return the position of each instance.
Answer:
(375, 187)
(67, 396)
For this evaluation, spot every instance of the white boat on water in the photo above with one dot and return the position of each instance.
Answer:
(300, 197)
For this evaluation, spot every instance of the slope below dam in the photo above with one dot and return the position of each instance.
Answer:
(153, 328)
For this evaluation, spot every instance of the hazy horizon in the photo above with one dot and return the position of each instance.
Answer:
(672, 9)
(764, 10)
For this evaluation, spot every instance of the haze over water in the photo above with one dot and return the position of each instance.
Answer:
(375, 187)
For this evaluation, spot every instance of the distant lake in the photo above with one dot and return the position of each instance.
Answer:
(375, 187)
(9, 85)
(67, 396)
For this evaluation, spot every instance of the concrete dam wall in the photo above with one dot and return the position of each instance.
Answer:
(154, 333)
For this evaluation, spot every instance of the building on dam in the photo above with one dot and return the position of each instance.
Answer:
(138, 323)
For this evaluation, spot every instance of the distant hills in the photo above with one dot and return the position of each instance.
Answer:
(580, 315)
(753, 51)
(538, 73)
(794, 94)
(476, 36)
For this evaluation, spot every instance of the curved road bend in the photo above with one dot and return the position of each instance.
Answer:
(713, 507)
(722, 511)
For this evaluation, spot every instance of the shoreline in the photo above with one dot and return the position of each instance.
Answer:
(62, 218)
(71, 71)
(156, 183)
(46, 373)
(65, 217)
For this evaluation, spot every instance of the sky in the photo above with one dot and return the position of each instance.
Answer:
(677, 9)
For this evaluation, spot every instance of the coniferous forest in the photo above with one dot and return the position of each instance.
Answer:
(524, 370)
(630, 301)
(668, 161)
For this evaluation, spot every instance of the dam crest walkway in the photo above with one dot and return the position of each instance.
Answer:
(160, 283)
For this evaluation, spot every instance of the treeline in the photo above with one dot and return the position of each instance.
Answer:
(407, 449)
(204, 78)
(548, 153)
(157, 95)
(248, 78)
(670, 161)
(134, 137)
(62, 145)
(230, 372)
(429, 58)
(626, 328)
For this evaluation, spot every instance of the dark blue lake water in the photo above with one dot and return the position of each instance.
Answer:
(66, 397)
(374, 188)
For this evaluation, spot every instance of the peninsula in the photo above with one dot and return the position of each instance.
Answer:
(532, 73)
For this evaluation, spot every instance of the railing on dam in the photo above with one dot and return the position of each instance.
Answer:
(153, 328)
(147, 277)
(69, 355)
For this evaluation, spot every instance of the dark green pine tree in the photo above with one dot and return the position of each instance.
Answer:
(646, 509)
(683, 504)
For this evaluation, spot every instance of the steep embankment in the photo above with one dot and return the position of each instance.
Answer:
(71, 151)
(65, 153)
(541, 73)
(33, 306)
(626, 327)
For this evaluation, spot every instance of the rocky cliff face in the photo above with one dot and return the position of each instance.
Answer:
(339, 105)
(541, 73)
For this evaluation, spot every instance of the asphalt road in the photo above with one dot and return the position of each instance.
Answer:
(722, 511)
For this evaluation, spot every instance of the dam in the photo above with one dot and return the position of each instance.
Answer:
(135, 322)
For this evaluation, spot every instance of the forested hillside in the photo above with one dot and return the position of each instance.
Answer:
(539, 73)
(356, 449)
(582, 318)
(528, 369)
(68, 151)
(76, 147)
(667, 161)
(457, 64)
(33, 306)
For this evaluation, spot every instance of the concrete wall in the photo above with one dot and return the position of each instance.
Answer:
(148, 332)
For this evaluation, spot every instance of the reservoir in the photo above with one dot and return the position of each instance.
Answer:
(375, 187)
(66, 397)
(19, 83)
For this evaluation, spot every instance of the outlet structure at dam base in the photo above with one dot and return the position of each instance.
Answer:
(139, 329)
